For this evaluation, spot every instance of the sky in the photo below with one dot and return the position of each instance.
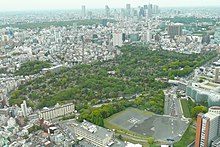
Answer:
(10, 5)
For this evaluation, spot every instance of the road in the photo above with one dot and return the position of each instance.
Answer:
(172, 105)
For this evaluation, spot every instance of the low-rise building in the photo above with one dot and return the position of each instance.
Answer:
(94, 134)
(57, 111)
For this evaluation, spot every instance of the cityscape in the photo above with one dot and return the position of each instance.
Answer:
(110, 74)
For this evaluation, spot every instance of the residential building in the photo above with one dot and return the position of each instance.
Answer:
(207, 130)
(57, 111)
(174, 30)
(117, 39)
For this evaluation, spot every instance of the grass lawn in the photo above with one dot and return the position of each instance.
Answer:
(186, 109)
(188, 137)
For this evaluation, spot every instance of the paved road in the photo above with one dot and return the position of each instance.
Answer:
(172, 105)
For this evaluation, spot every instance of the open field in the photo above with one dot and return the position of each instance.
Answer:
(188, 137)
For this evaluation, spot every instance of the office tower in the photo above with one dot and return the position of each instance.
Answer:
(107, 11)
(207, 130)
(134, 12)
(117, 39)
(155, 9)
(150, 8)
(24, 108)
(141, 12)
(174, 30)
(83, 11)
(122, 13)
(128, 10)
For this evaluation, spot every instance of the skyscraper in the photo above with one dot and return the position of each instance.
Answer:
(128, 10)
(107, 11)
(150, 9)
(207, 130)
(83, 11)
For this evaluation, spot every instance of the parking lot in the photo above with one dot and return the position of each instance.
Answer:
(151, 125)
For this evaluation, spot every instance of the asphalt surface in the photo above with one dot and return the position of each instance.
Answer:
(172, 105)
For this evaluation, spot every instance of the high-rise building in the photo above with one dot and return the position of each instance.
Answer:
(24, 108)
(155, 9)
(174, 30)
(150, 9)
(207, 130)
(122, 13)
(128, 10)
(141, 12)
(83, 11)
(107, 11)
(117, 39)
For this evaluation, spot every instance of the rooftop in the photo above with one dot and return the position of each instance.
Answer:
(211, 115)
(96, 130)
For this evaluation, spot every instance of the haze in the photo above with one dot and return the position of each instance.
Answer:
(12, 5)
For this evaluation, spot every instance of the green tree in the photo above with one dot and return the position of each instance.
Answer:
(150, 140)
(198, 109)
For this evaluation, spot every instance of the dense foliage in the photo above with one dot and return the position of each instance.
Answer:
(32, 67)
(139, 78)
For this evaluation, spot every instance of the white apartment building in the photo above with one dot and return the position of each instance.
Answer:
(117, 39)
(57, 111)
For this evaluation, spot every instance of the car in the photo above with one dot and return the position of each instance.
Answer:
(169, 139)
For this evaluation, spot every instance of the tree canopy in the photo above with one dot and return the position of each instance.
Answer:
(138, 81)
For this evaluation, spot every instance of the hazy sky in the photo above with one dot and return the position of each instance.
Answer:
(74, 4)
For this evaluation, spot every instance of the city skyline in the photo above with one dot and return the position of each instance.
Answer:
(22, 5)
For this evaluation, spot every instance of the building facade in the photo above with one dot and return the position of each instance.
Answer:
(207, 130)
(96, 135)
(57, 111)
(117, 39)
(174, 30)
